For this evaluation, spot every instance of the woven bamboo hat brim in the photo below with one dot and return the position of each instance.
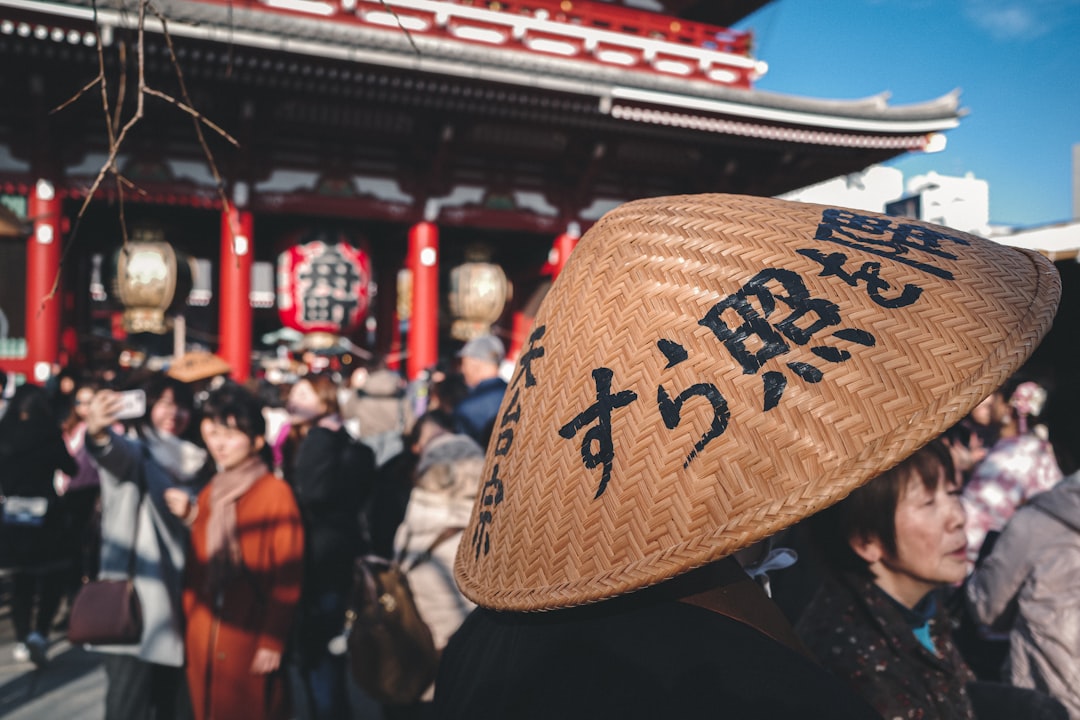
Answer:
(708, 370)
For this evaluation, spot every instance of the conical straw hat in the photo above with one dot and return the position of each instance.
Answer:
(708, 370)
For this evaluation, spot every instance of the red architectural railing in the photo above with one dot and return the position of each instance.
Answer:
(598, 33)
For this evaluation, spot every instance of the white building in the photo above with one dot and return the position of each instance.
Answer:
(1060, 241)
(872, 189)
(962, 203)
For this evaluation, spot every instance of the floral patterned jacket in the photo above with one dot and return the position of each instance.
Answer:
(858, 633)
(1015, 470)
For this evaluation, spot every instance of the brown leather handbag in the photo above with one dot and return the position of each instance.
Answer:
(108, 612)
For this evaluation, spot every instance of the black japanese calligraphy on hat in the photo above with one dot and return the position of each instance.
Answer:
(708, 370)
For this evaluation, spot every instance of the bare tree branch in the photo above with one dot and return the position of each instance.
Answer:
(226, 206)
(408, 35)
(117, 142)
(193, 113)
(121, 90)
(117, 130)
(82, 91)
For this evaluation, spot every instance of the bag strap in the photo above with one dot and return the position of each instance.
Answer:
(445, 535)
(1067, 522)
(364, 571)
(364, 565)
(736, 595)
(133, 555)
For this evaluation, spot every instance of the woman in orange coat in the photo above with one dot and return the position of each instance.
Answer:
(244, 568)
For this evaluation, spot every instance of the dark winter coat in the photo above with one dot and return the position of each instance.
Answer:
(860, 635)
(331, 477)
(475, 414)
(633, 658)
(31, 451)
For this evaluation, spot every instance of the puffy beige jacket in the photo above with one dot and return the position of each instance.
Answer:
(1032, 580)
(448, 478)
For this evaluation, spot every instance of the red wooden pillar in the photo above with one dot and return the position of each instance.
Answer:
(234, 297)
(43, 253)
(560, 252)
(519, 327)
(558, 255)
(423, 262)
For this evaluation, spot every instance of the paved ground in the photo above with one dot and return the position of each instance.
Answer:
(72, 685)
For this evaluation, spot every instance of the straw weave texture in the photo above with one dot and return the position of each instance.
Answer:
(697, 353)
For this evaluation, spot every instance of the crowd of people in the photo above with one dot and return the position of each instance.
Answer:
(239, 511)
(942, 588)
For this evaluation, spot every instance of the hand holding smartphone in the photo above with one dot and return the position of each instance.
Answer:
(132, 404)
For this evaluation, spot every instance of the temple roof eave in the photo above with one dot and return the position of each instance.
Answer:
(612, 87)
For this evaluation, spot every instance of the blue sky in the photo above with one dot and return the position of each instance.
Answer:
(1016, 62)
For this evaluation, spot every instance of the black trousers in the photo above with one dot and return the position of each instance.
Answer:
(138, 690)
(39, 591)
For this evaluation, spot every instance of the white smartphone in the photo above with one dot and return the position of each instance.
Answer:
(132, 404)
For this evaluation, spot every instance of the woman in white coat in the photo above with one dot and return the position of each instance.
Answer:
(145, 680)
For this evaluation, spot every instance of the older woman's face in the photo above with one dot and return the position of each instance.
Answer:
(930, 542)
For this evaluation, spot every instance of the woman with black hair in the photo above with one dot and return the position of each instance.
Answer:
(879, 621)
(331, 475)
(244, 569)
(139, 535)
(32, 523)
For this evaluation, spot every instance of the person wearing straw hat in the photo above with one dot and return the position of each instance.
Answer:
(705, 372)
(198, 366)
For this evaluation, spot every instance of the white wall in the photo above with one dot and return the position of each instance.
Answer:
(869, 190)
(962, 203)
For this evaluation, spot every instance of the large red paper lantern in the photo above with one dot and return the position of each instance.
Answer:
(324, 285)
